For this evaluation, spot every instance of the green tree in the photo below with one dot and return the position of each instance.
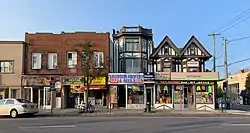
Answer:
(247, 83)
(92, 66)
(219, 92)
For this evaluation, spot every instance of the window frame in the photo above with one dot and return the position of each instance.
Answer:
(99, 63)
(54, 65)
(11, 62)
(74, 64)
(32, 61)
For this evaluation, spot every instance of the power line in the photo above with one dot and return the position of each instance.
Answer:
(235, 25)
(236, 62)
(239, 39)
(234, 19)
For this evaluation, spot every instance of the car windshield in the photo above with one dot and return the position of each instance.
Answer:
(23, 101)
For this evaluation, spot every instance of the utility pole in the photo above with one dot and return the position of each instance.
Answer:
(214, 50)
(225, 64)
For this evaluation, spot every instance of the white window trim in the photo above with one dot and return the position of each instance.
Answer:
(51, 62)
(37, 66)
(72, 63)
(100, 63)
(10, 67)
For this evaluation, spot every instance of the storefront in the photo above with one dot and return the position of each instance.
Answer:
(135, 91)
(72, 91)
(163, 91)
(98, 91)
(37, 89)
(193, 91)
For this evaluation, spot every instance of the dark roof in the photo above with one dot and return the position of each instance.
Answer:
(172, 45)
(11, 42)
(194, 40)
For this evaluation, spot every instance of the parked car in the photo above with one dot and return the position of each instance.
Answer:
(15, 107)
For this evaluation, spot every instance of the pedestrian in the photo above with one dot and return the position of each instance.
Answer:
(228, 102)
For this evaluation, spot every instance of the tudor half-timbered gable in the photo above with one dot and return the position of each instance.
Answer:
(166, 56)
(193, 56)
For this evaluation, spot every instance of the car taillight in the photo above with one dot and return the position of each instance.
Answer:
(25, 106)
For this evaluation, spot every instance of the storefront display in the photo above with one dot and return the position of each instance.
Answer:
(204, 94)
(135, 94)
(164, 94)
(177, 95)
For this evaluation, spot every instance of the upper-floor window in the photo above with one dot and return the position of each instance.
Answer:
(36, 60)
(52, 60)
(99, 59)
(6, 66)
(144, 45)
(192, 49)
(71, 59)
(166, 50)
(132, 44)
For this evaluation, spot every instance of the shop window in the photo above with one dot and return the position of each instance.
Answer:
(164, 94)
(14, 93)
(204, 94)
(135, 94)
(177, 95)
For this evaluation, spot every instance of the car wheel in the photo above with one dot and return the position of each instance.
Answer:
(13, 113)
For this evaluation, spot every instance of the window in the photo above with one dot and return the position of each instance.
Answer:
(164, 94)
(36, 60)
(52, 60)
(166, 50)
(14, 93)
(204, 94)
(2, 102)
(192, 49)
(6, 66)
(9, 102)
(71, 59)
(135, 94)
(132, 44)
(133, 65)
(144, 45)
(99, 59)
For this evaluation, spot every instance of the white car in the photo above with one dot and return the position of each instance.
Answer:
(15, 107)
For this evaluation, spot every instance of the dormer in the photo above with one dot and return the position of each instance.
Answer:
(165, 56)
(193, 56)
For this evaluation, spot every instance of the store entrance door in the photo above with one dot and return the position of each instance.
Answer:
(149, 96)
(46, 98)
(178, 97)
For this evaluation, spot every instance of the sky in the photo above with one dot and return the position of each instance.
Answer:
(179, 19)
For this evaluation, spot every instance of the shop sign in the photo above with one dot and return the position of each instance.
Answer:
(126, 78)
(196, 82)
(193, 64)
(149, 77)
(74, 80)
(162, 75)
(195, 76)
(98, 81)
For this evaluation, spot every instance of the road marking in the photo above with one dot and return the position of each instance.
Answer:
(55, 126)
(236, 124)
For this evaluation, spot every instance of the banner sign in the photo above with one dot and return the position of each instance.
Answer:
(162, 75)
(149, 77)
(99, 81)
(126, 78)
(195, 76)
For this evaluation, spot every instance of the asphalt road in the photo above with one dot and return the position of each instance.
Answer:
(126, 125)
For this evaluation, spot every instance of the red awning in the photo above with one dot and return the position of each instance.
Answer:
(97, 87)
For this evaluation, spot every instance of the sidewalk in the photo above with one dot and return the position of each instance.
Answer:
(139, 112)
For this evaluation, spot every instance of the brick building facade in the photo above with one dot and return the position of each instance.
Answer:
(50, 57)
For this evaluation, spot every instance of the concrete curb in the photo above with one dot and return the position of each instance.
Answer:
(142, 115)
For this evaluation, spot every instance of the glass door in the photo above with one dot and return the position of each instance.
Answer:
(27, 93)
(46, 98)
(178, 97)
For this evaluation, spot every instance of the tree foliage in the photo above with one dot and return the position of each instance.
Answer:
(247, 83)
(89, 68)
